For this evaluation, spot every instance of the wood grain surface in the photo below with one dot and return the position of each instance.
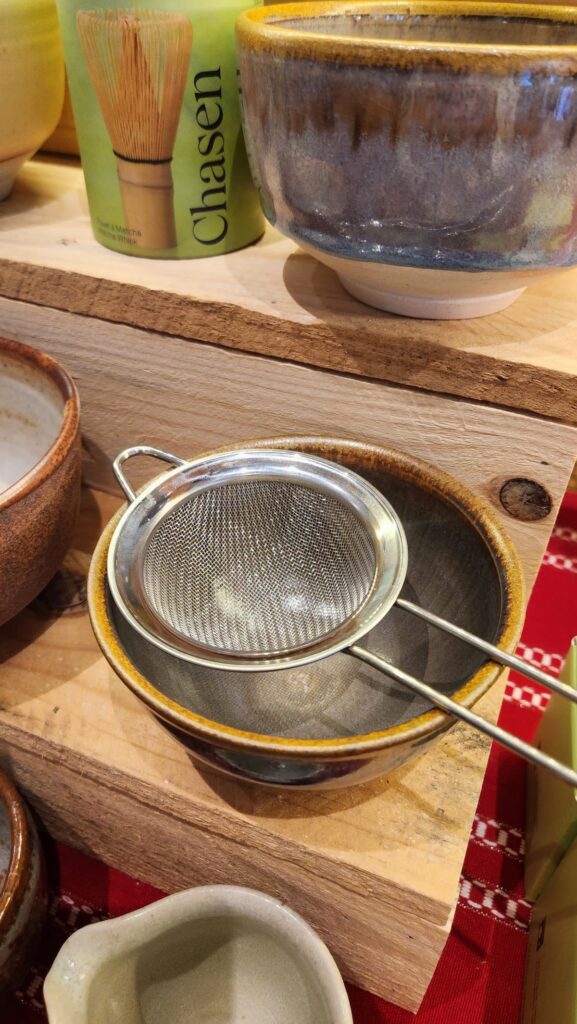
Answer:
(375, 868)
(185, 397)
(273, 300)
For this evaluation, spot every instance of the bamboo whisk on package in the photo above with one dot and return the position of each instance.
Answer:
(138, 62)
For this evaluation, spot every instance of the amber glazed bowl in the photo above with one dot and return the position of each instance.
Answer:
(337, 722)
(425, 151)
(22, 886)
(39, 472)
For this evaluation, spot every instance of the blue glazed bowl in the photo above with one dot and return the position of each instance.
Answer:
(426, 151)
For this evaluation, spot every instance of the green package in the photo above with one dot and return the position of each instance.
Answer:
(156, 104)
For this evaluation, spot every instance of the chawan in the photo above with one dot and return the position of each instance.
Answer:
(426, 151)
(39, 471)
(336, 722)
(22, 886)
(31, 82)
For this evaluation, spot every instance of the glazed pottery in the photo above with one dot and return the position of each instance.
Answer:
(218, 953)
(39, 471)
(337, 722)
(425, 151)
(22, 886)
(31, 82)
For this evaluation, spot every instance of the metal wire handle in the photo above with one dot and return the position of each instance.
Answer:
(506, 739)
(140, 449)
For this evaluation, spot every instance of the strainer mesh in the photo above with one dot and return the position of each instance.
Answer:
(258, 566)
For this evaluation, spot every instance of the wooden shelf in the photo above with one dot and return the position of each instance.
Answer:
(375, 868)
(273, 300)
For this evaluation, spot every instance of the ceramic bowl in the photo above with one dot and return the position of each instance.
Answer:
(425, 151)
(217, 953)
(32, 74)
(337, 721)
(22, 886)
(39, 471)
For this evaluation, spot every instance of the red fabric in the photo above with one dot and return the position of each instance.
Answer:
(479, 979)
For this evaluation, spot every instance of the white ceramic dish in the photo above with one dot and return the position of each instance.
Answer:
(218, 954)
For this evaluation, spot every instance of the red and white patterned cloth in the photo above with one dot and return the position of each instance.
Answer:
(479, 979)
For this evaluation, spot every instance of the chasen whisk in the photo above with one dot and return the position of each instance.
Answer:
(138, 62)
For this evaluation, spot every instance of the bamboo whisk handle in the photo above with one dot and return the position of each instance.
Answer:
(147, 195)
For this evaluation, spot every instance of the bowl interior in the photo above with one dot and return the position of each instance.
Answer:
(222, 969)
(407, 26)
(451, 571)
(31, 412)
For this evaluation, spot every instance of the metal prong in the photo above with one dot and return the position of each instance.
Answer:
(495, 732)
(494, 653)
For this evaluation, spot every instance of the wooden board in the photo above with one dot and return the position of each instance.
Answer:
(375, 868)
(273, 300)
(186, 397)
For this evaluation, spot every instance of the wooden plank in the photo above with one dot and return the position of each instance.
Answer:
(187, 397)
(375, 868)
(273, 300)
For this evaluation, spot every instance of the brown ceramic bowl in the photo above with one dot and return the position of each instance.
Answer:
(39, 471)
(22, 885)
(337, 722)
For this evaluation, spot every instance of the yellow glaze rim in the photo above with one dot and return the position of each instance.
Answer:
(261, 29)
(427, 724)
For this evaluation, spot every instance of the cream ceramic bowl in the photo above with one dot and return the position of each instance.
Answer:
(425, 151)
(31, 82)
(220, 953)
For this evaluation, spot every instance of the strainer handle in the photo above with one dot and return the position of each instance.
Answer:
(506, 739)
(140, 449)
(495, 653)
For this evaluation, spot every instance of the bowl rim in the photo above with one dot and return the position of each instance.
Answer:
(106, 940)
(261, 28)
(473, 508)
(57, 452)
(16, 879)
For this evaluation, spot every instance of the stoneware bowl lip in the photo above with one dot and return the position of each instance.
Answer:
(261, 29)
(14, 886)
(58, 451)
(93, 946)
(430, 479)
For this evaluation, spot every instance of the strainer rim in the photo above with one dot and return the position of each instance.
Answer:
(383, 593)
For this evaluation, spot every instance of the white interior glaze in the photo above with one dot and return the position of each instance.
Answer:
(31, 409)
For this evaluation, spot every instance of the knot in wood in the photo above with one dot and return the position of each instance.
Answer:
(525, 499)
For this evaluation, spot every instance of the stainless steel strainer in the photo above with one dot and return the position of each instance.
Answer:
(257, 560)
(251, 558)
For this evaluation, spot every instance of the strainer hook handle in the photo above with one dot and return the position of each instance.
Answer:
(140, 449)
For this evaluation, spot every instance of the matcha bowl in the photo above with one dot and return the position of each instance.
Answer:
(425, 151)
(31, 82)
